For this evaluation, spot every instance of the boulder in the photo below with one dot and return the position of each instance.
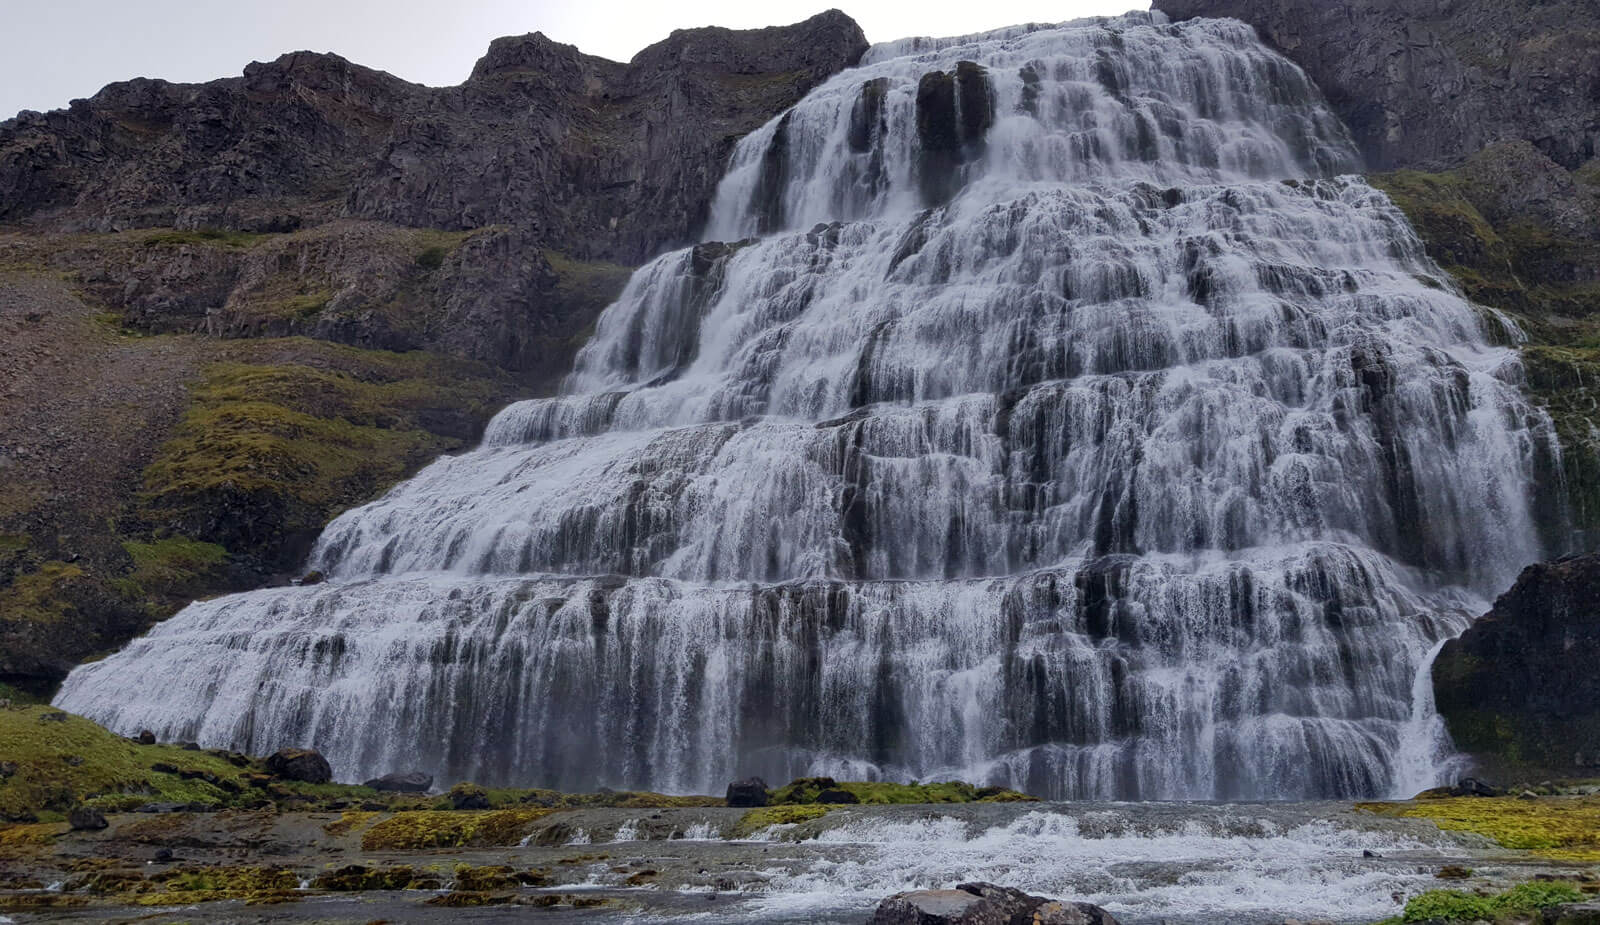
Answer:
(146, 737)
(86, 819)
(468, 796)
(409, 782)
(752, 791)
(1584, 913)
(301, 764)
(984, 904)
(1472, 787)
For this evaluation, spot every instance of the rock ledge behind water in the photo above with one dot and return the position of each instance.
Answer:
(985, 904)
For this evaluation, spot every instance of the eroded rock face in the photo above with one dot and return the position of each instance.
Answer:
(1430, 82)
(1519, 687)
(610, 160)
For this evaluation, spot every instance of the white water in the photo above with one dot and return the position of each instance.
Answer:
(1228, 864)
(1079, 453)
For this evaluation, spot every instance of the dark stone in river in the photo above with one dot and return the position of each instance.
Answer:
(409, 782)
(985, 904)
(752, 791)
(301, 764)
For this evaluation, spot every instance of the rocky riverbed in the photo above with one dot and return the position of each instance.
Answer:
(1145, 863)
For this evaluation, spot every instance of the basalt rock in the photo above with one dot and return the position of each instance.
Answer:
(1513, 689)
(1430, 82)
(748, 792)
(86, 819)
(300, 764)
(412, 782)
(613, 160)
(984, 904)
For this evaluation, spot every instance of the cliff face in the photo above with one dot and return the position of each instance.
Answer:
(229, 311)
(614, 161)
(1425, 83)
(1519, 688)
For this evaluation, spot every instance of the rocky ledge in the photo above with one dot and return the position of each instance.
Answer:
(1518, 690)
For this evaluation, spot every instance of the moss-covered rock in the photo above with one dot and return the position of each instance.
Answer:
(811, 790)
(1560, 828)
(451, 829)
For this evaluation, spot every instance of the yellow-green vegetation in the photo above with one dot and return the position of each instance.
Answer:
(499, 877)
(1560, 828)
(757, 819)
(214, 237)
(270, 451)
(61, 762)
(42, 595)
(349, 821)
(807, 790)
(253, 885)
(1459, 906)
(173, 566)
(492, 828)
(355, 878)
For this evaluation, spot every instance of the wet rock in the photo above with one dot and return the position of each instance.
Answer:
(86, 819)
(146, 737)
(1507, 687)
(984, 904)
(837, 796)
(1472, 787)
(1585, 913)
(408, 782)
(301, 764)
(56, 717)
(313, 577)
(468, 796)
(752, 791)
(162, 767)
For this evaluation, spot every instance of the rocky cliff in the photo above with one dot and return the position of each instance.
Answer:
(230, 310)
(1519, 689)
(1427, 83)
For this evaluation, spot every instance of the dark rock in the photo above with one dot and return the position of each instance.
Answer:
(301, 764)
(1472, 787)
(1428, 83)
(752, 791)
(189, 746)
(54, 717)
(468, 796)
(313, 578)
(146, 737)
(1584, 913)
(837, 796)
(8, 768)
(163, 856)
(984, 904)
(86, 819)
(1509, 688)
(163, 808)
(161, 767)
(410, 782)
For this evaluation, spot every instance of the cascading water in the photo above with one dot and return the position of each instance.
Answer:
(1059, 420)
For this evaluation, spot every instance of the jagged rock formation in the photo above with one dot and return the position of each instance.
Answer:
(1426, 83)
(1519, 688)
(168, 430)
(612, 160)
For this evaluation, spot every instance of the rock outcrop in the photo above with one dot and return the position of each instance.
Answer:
(984, 904)
(1518, 689)
(614, 161)
(1426, 83)
(300, 764)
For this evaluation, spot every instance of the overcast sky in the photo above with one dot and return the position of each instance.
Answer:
(59, 50)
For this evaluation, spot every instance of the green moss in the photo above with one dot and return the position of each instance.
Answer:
(432, 258)
(757, 819)
(355, 878)
(174, 565)
(61, 763)
(268, 453)
(1562, 828)
(445, 829)
(1458, 906)
(208, 236)
(39, 596)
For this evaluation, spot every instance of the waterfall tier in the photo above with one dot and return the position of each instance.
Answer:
(1060, 418)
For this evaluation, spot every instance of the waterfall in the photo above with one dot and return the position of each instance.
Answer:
(1058, 414)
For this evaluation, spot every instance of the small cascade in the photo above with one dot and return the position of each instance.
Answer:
(1056, 413)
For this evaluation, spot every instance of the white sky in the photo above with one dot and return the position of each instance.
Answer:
(59, 50)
